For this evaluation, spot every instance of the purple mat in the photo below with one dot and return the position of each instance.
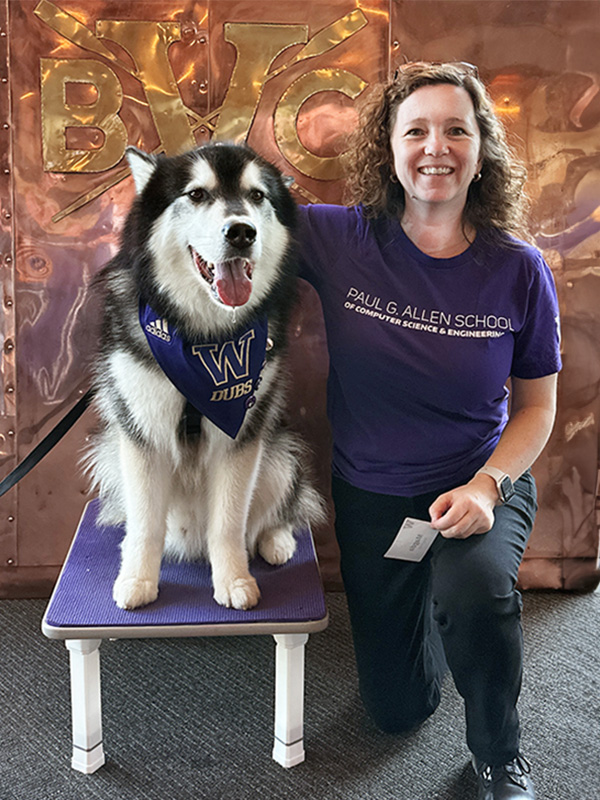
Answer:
(291, 592)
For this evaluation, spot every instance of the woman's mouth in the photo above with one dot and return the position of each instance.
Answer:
(435, 170)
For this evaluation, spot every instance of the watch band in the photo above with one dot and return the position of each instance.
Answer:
(503, 482)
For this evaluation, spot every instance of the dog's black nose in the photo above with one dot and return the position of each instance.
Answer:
(239, 234)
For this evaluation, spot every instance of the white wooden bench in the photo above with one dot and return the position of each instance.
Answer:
(82, 612)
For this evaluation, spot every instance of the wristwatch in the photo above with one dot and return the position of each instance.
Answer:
(502, 481)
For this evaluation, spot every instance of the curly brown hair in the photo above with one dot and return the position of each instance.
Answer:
(497, 201)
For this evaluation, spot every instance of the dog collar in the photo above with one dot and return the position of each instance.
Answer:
(218, 378)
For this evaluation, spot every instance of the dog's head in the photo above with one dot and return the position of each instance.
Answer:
(219, 221)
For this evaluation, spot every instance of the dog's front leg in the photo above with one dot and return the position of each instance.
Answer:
(232, 483)
(145, 487)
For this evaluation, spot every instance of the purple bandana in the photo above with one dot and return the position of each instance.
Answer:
(220, 378)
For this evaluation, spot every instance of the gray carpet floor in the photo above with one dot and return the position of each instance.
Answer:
(192, 718)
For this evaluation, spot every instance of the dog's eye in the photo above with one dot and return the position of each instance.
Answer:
(257, 196)
(198, 195)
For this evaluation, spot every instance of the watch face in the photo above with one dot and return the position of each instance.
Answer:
(506, 489)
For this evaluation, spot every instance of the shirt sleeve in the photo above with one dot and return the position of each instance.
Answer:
(537, 344)
(325, 233)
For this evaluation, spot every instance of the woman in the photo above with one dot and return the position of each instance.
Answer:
(431, 305)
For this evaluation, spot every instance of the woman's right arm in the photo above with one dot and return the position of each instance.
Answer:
(325, 233)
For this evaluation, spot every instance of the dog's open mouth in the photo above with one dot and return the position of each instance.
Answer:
(231, 281)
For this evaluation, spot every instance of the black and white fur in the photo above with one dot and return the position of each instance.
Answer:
(181, 485)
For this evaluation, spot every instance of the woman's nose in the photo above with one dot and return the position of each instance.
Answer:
(435, 145)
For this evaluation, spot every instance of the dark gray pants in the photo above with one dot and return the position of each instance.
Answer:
(457, 608)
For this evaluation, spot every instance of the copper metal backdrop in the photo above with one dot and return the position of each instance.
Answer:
(81, 80)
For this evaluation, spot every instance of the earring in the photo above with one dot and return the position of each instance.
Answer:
(393, 178)
(477, 177)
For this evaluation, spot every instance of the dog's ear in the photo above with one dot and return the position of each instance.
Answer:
(142, 167)
(288, 180)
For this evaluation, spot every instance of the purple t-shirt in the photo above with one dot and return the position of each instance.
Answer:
(421, 348)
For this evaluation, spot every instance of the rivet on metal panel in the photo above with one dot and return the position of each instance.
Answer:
(8, 259)
(569, 284)
(10, 433)
(395, 44)
(203, 40)
(5, 125)
(7, 172)
(11, 518)
(8, 215)
(203, 87)
(10, 389)
(4, 80)
(9, 346)
(10, 562)
(8, 302)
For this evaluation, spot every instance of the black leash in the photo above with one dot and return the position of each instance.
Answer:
(47, 443)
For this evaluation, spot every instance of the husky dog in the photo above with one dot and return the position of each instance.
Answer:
(192, 455)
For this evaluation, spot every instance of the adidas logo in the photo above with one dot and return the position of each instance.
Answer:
(160, 329)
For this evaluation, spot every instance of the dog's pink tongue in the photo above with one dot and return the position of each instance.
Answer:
(233, 285)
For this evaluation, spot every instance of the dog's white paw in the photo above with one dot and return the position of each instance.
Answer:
(240, 593)
(133, 592)
(277, 546)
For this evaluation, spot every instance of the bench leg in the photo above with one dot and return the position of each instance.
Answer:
(289, 698)
(86, 708)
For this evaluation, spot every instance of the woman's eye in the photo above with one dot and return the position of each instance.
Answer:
(257, 196)
(198, 195)
(457, 131)
(415, 132)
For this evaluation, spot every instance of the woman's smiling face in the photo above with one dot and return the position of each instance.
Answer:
(435, 143)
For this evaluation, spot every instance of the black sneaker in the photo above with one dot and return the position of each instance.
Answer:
(509, 782)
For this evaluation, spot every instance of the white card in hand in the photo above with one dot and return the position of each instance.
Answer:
(412, 541)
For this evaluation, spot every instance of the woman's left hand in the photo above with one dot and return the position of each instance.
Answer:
(466, 510)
